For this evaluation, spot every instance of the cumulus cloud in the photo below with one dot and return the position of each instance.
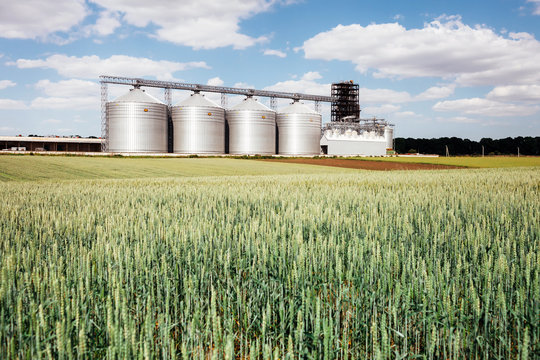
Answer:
(67, 94)
(243, 85)
(444, 48)
(404, 114)
(516, 93)
(91, 67)
(65, 103)
(459, 120)
(486, 107)
(311, 75)
(306, 85)
(214, 25)
(378, 96)
(536, 3)
(68, 88)
(277, 53)
(105, 25)
(52, 121)
(10, 104)
(4, 84)
(383, 110)
(36, 19)
(436, 92)
(215, 81)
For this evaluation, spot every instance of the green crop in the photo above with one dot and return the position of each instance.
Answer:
(441, 264)
(467, 161)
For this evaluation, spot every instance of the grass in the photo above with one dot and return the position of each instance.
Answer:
(33, 168)
(468, 161)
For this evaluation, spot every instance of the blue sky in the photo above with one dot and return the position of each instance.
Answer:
(435, 68)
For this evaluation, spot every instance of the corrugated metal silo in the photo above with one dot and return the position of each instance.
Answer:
(199, 126)
(252, 128)
(389, 137)
(137, 123)
(299, 130)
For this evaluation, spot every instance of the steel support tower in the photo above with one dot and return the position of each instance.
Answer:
(346, 104)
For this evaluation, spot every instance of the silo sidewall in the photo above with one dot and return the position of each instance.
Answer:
(137, 127)
(299, 134)
(198, 130)
(252, 132)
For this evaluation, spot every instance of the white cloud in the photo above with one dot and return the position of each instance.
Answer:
(10, 104)
(106, 24)
(90, 67)
(210, 25)
(67, 94)
(79, 94)
(536, 3)
(311, 75)
(444, 48)
(383, 110)
(516, 93)
(215, 81)
(403, 114)
(277, 53)
(65, 103)
(4, 84)
(378, 96)
(398, 17)
(436, 92)
(478, 106)
(68, 88)
(52, 121)
(459, 120)
(36, 19)
(243, 85)
(306, 85)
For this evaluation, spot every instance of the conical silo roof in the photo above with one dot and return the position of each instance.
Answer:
(297, 108)
(138, 96)
(250, 103)
(198, 100)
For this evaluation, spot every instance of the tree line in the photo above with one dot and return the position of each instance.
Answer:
(456, 146)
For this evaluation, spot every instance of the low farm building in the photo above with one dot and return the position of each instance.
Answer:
(63, 144)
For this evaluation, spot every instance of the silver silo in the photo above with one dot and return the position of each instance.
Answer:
(252, 128)
(137, 123)
(299, 130)
(389, 137)
(199, 126)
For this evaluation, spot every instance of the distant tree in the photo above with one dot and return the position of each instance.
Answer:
(456, 146)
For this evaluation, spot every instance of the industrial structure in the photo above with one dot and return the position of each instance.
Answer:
(347, 133)
(138, 123)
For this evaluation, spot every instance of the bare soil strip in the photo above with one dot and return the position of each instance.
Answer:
(365, 164)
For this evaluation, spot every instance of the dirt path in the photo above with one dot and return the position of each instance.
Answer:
(364, 164)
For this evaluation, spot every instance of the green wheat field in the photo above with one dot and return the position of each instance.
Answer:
(241, 259)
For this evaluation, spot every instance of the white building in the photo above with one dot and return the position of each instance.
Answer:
(349, 143)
